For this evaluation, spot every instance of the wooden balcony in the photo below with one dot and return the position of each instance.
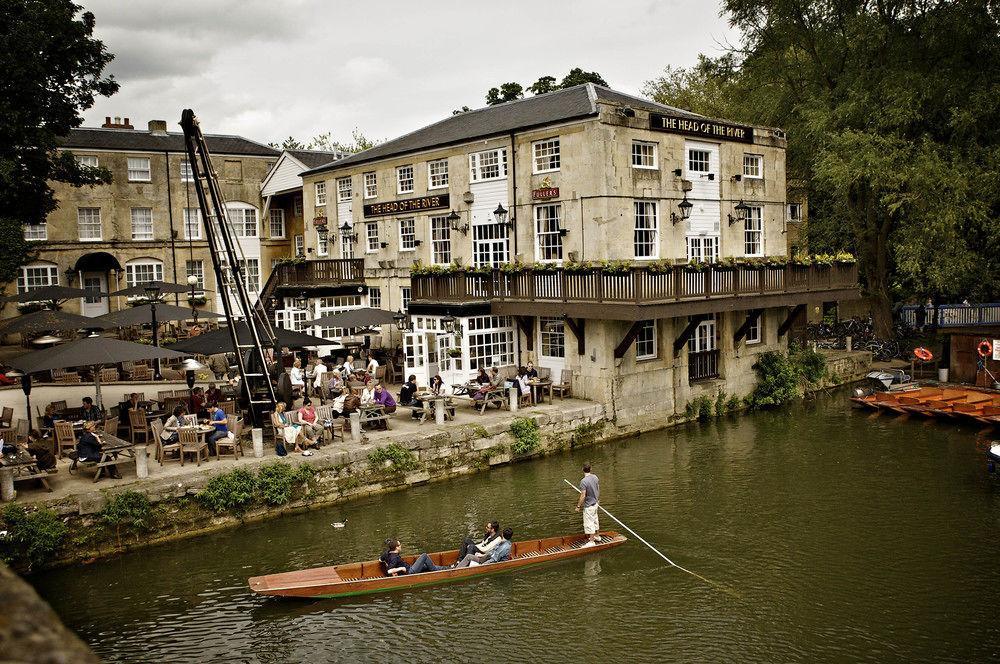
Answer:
(317, 275)
(640, 293)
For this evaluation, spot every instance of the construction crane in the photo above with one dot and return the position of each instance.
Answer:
(229, 266)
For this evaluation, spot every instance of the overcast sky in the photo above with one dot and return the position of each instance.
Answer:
(270, 69)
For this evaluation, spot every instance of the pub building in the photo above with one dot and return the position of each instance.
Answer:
(581, 229)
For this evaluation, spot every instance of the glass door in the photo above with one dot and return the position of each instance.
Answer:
(94, 283)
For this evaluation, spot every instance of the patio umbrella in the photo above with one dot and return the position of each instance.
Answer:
(51, 293)
(364, 317)
(48, 320)
(218, 341)
(94, 352)
(162, 286)
(143, 315)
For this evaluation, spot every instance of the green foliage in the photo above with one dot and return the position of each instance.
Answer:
(526, 438)
(234, 492)
(733, 404)
(326, 142)
(512, 90)
(587, 432)
(700, 408)
(32, 539)
(128, 510)
(277, 481)
(400, 458)
(809, 363)
(720, 403)
(506, 92)
(777, 381)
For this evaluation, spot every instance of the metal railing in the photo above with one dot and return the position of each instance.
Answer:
(703, 365)
(953, 315)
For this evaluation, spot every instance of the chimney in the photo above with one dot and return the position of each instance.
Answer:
(117, 124)
(158, 127)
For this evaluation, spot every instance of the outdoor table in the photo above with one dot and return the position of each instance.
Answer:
(428, 402)
(538, 390)
(465, 389)
(373, 413)
(111, 448)
(24, 467)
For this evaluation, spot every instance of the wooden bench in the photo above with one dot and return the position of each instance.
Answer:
(111, 449)
(495, 397)
(374, 415)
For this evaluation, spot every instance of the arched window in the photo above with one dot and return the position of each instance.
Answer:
(143, 270)
(36, 275)
(243, 218)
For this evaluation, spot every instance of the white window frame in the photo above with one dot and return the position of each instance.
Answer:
(186, 174)
(36, 232)
(238, 214)
(704, 338)
(551, 337)
(371, 184)
(300, 246)
(753, 166)
(192, 226)
(640, 155)
(143, 232)
(753, 231)
(197, 268)
(438, 168)
(346, 244)
(648, 213)
(408, 241)
(490, 245)
(546, 156)
(319, 188)
(88, 160)
(405, 296)
(707, 162)
(491, 338)
(440, 233)
(40, 273)
(372, 242)
(297, 206)
(251, 274)
(645, 341)
(405, 177)
(322, 246)
(795, 212)
(80, 222)
(276, 219)
(754, 332)
(344, 190)
(702, 248)
(375, 297)
(140, 169)
(155, 275)
(495, 158)
(548, 232)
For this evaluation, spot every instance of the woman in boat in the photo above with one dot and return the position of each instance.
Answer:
(395, 565)
(500, 553)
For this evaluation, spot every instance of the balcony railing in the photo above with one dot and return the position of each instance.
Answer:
(320, 272)
(703, 365)
(953, 315)
(637, 285)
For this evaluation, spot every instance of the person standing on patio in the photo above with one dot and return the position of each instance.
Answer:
(319, 374)
(219, 364)
(590, 496)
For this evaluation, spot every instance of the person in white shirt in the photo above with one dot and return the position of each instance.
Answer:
(319, 376)
(372, 366)
(348, 367)
(296, 374)
(368, 393)
(522, 381)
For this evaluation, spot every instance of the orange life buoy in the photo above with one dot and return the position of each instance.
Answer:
(985, 348)
(923, 354)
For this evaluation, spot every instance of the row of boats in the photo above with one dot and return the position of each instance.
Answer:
(948, 403)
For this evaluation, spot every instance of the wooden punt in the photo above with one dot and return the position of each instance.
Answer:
(947, 403)
(368, 577)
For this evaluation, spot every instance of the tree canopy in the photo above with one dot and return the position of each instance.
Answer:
(359, 141)
(53, 71)
(891, 109)
(512, 91)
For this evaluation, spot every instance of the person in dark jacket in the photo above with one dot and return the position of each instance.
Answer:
(395, 565)
(88, 448)
(408, 390)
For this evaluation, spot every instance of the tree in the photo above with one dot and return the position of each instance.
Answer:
(506, 92)
(577, 76)
(459, 111)
(543, 84)
(290, 143)
(709, 88)
(893, 121)
(327, 143)
(53, 71)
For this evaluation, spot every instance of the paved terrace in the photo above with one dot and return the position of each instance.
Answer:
(403, 430)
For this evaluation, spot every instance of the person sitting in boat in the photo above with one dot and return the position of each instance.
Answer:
(395, 565)
(500, 552)
(490, 539)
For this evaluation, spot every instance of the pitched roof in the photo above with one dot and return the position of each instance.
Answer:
(579, 101)
(314, 158)
(141, 140)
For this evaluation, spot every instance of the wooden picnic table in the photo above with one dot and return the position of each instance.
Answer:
(373, 413)
(111, 448)
(537, 389)
(24, 467)
(428, 401)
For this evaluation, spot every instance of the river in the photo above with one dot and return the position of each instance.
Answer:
(829, 536)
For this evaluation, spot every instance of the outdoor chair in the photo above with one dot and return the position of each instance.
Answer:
(336, 428)
(234, 444)
(138, 425)
(191, 443)
(109, 375)
(111, 425)
(163, 447)
(525, 399)
(228, 407)
(59, 406)
(565, 385)
(70, 378)
(141, 395)
(495, 397)
(21, 429)
(141, 372)
(7, 416)
(163, 395)
(544, 373)
(65, 440)
(380, 374)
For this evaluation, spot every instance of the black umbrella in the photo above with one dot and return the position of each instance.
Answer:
(48, 320)
(364, 317)
(94, 352)
(143, 315)
(218, 341)
(53, 293)
(161, 286)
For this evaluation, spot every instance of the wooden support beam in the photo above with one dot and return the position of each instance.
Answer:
(752, 317)
(527, 325)
(794, 313)
(578, 325)
(633, 332)
(689, 332)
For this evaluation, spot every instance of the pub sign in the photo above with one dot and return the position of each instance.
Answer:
(439, 202)
(703, 128)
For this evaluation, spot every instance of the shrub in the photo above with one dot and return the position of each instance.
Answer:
(526, 438)
(400, 457)
(720, 404)
(777, 381)
(733, 404)
(276, 481)
(809, 363)
(234, 492)
(32, 539)
(130, 511)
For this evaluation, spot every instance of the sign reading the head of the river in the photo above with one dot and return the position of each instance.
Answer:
(722, 131)
(408, 205)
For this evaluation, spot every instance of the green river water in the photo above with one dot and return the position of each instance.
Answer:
(838, 537)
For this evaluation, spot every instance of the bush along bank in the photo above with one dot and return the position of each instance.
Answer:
(104, 523)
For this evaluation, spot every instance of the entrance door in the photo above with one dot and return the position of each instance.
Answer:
(415, 352)
(450, 367)
(552, 345)
(93, 305)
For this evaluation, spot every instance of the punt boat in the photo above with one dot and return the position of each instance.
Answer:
(959, 403)
(369, 577)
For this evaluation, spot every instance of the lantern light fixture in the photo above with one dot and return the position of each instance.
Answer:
(685, 206)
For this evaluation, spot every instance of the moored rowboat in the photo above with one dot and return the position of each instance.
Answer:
(369, 577)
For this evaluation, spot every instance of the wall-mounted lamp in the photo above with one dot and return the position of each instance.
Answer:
(742, 210)
(685, 207)
(737, 177)
(301, 301)
(563, 232)
(383, 244)
(454, 220)
(500, 215)
(347, 232)
(402, 321)
(70, 275)
(448, 323)
(678, 172)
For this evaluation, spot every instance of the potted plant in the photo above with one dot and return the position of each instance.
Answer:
(845, 258)
(578, 267)
(454, 352)
(197, 300)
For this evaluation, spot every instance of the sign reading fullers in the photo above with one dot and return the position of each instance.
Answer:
(408, 205)
(704, 128)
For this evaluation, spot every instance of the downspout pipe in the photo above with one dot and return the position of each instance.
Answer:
(513, 180)
(170, 218)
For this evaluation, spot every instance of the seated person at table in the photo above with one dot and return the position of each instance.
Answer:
(89, 412)
(395, 566)
(372, 365)
(197, 403)
(88, 448)
(368, 393)
(384, 399)
(407, 391)
(490, 539)
(346, 404)
(292, 434)
(437, 384)
(213, 395)
(496, 380)
(335, 384)
(481, 377)
(49, 418)
(175, 420)
(41, 451)
(500, 553)
(347, 369)
(310, 423)
(220, 421)
(298, 379)
(521, 381)
(531, 371)
(132, 403)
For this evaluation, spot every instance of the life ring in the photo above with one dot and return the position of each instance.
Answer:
(923, 354)
(985, 348)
